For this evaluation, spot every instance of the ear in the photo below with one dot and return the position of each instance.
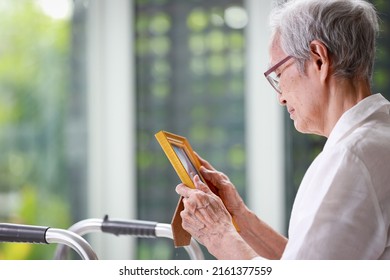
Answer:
(320, 56)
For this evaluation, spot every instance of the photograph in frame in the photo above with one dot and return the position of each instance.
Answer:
(181, 156)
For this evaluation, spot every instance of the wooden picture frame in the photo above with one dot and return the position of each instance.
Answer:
(181, 155)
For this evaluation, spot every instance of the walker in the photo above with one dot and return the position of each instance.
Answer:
(46, 235)
(136, 228)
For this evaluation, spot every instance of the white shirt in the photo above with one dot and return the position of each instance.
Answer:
(342, 208)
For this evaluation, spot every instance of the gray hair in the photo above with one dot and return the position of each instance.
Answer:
(348, 28)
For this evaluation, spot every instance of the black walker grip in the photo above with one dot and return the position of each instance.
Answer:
(22, 233)
(134, 228)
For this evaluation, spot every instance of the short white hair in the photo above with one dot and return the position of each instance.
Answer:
(348, 28)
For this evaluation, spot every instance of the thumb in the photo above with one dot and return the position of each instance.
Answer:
(200, 185)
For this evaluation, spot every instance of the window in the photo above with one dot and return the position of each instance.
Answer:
(189, 81)
(190, 77)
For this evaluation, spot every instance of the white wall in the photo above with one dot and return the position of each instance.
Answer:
(111, 174)
(264, 124)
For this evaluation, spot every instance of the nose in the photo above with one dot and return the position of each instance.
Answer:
(281, 99)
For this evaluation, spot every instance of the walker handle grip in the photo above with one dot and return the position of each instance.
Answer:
(22, 233)
(135, 228)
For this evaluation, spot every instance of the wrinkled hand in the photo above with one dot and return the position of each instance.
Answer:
(221, 184)
(205, 216)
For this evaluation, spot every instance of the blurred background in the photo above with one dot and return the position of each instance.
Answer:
(85, 85)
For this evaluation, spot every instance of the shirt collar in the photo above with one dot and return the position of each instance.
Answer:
(355, 115)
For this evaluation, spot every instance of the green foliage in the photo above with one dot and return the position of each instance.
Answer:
(32, 205)
(34, 75)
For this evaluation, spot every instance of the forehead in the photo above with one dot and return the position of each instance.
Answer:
(275, 51)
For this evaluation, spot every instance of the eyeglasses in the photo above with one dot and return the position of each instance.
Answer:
(274, 78)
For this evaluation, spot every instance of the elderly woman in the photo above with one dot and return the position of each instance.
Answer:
(322, 52)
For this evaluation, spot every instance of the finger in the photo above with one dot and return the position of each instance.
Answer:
(190, 222)
(204, 217)
(211, 213)
(218, 179)
(204, 162)
(197, 199)
(200, 185)
(207, 173)
(199, 212)
(207, 214)
(183, 190)
(189, 205)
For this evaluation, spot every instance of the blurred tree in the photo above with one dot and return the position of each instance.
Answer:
(34, 77)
